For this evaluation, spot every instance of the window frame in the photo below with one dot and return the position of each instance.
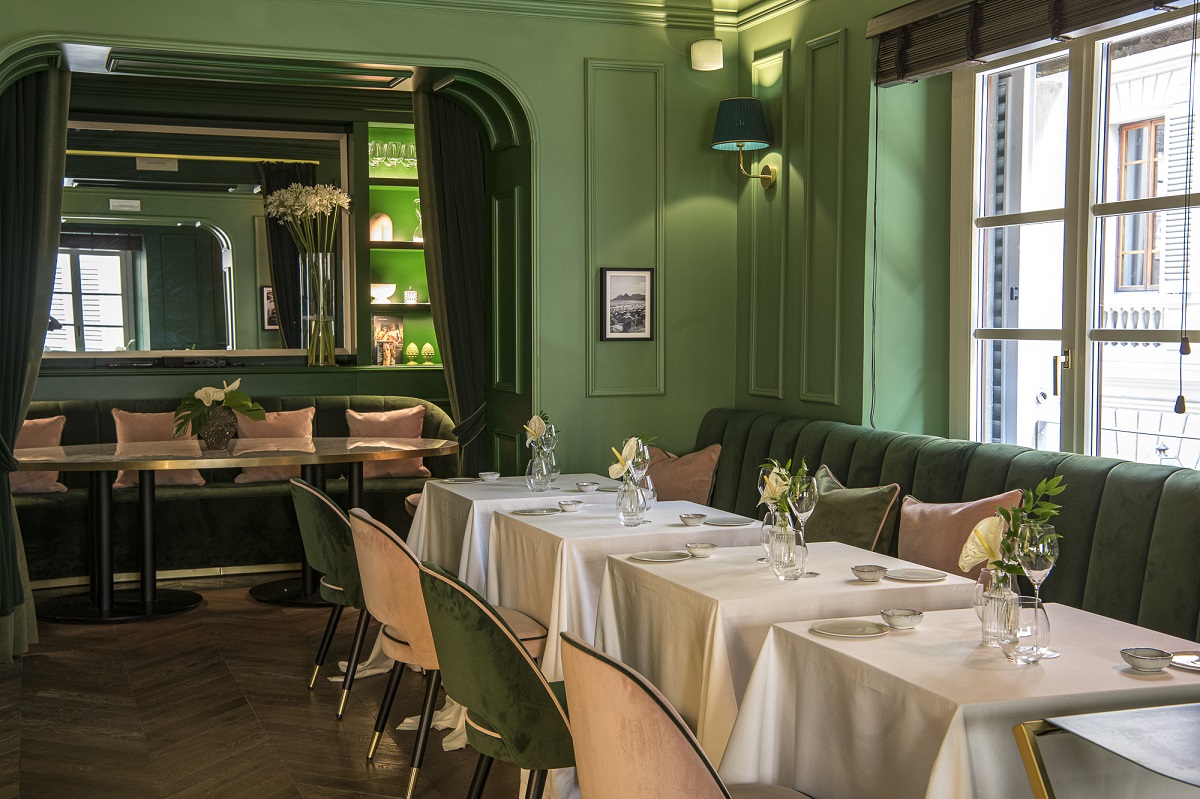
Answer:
(129, 322)
(1080, 214)
(1153, 162)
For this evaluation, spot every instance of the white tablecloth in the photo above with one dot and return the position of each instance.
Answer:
(452, 523)
(695, 628)
(550, 567)
(929, 712)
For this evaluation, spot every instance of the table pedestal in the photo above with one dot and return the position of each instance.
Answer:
(102, 603)
(305, 590)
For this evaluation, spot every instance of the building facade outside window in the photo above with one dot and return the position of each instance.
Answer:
(1069, 257)
(92, 303)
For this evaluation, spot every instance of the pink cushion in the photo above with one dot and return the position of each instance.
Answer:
(689, 477)
(933, 534)
(133, 428)
(36, 433)
(283, 424)
(404, 423)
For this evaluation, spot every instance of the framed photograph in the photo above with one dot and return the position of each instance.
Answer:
(270, 315)
(627, 297)
(388, 333)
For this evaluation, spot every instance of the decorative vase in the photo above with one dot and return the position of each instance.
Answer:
(779, 539)
(418, 234)
(537, 472)
(995, 601)
(219, 428)
(317, 307)
(631, 504)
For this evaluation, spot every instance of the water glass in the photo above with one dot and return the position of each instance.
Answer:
(783, 554)
(631, 505)
(1026, 633)
(649, 494)
(537, 473)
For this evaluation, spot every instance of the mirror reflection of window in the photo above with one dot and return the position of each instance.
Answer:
(93, 295)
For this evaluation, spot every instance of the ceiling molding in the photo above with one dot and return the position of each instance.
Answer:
(27, 62)
(762, 11)
(241, 69)
(604, 11)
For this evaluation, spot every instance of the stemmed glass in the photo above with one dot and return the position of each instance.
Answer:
(765, 538)
(803, 500)
(1036, 555)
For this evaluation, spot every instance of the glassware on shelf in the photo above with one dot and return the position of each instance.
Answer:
(418, 234)
(408, 155)
(391, 153)
(410, 296)
(374, 153)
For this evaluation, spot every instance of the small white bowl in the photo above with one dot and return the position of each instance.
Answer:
(587, 488)
(1147, 659)
(489, 477)
(869, 573)
(902, 618)
(693, 519)
(570, 505)
(701, 550)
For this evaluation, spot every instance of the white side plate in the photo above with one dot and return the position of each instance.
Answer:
(729, 521)
(537, 511)
(915, 575)
(659, 556)
(850, 628)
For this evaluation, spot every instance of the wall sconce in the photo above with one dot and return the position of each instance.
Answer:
(707, 55)
(741, 125)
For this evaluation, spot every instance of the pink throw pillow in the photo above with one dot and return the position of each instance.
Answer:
(37, 433)
(689, 477)
(133, 428)
(283, 424)
(403, 423)
(933, 534)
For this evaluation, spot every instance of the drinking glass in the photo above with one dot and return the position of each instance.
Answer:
(550, 437)
(537, 473)
(649, 494)
(391, 153)
(784, 555)
(1026, 632)
(374, 153)
(640, 462)
(552, 463)
(408, 155)
(1037, 553)
(803, 499)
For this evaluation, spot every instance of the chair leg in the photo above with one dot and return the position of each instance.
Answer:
(360, 635)
(385, 706)
(480, 778)
(335, 615)
(433, 681)
(536, 785)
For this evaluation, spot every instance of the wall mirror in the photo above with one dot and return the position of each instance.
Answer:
(164, 247)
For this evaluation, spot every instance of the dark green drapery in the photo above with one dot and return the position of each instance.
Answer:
(283, 254)
(453, 195)
(33, 144)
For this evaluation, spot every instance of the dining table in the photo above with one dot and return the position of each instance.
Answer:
(551, 567)
(695, 628)
(453, 522)
(929, 712)
(102, 602)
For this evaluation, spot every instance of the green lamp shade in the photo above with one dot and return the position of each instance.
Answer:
(740, 120)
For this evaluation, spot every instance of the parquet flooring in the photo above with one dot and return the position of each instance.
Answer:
(210, 703)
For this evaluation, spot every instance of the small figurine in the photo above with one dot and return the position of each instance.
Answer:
(411, 353)
(427, 353)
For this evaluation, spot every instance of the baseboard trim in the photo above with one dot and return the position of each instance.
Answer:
(173, 574)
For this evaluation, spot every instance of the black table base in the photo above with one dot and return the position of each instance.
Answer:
(287, 592)
(127, 605)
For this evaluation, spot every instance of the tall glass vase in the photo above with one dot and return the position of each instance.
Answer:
(994, 602)
(317, 307)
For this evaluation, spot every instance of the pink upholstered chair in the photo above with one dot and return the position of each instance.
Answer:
(630, 742)
(391, 585)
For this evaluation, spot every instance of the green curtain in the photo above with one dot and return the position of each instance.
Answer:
(454, 218)
(33, 144)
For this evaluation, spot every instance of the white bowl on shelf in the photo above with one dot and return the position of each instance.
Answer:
(381, 293)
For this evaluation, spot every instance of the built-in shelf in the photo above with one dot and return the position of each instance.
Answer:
(397, 245)
(394, 183)
(421, 306)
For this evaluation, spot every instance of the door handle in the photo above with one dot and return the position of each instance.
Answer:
(1060, 362)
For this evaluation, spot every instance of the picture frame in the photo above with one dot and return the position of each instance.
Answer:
(627, 304)
(387, 334)
(270, 314)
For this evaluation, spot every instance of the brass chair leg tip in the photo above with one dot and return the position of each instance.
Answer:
(312, 682)
(374, 745)
(342, 704)
(412, 783)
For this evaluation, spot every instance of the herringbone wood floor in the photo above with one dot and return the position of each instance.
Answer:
(210, 703)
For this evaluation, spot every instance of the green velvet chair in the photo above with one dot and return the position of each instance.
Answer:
(614, 712)
(513, 713)
(329, 547)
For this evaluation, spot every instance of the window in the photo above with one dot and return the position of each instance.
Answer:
(91, 303)
(1076, 162)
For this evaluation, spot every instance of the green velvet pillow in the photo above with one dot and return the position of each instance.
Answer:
(854, 516)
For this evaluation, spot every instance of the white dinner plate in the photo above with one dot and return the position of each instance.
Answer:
(729, 521)
(1188, 661)
(462, 480)
(659, 556)
(850, 628)
(607, 490)
(537, 511)
(915, 575)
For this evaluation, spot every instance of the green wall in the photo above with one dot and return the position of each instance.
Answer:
(805, 266)
(623, 175)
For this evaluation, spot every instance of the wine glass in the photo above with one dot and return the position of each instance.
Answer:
(803, 499)
(374, 153)
(552, 463)
(640, 462)
(646, 486)
(391, 153)
(1037, 553)
(550, 437)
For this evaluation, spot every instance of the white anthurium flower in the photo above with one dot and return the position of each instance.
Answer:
(983, 544)
(624, 458)
(208, 395)
(232, 387)
(630, 450)
(535, 428)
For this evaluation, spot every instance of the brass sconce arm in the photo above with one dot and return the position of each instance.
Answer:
(769, 173)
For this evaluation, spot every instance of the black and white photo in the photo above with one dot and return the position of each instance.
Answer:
(270, 315)
(628, 302)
